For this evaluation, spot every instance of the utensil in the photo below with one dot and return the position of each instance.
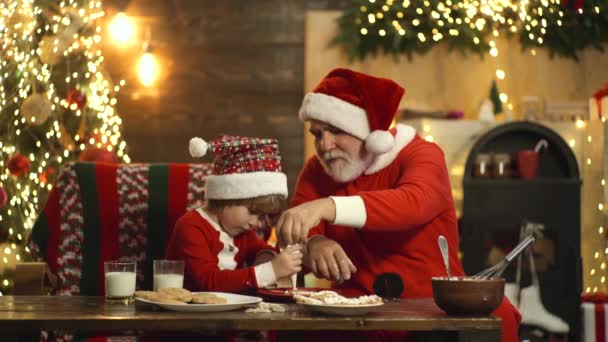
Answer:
(294, 278)
(496, 270)
(443, 246)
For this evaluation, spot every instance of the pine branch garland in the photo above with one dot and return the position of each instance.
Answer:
(413, 27)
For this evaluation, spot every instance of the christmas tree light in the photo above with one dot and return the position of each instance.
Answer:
(56, 104)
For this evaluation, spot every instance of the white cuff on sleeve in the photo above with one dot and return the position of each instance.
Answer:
(264, 274)
(350, 211)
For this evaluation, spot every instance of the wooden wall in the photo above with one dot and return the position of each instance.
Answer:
(229, 66)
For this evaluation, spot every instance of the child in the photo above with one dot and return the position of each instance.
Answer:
(219, 244)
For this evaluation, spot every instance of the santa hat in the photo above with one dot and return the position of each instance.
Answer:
(359, 104)
(243, 167)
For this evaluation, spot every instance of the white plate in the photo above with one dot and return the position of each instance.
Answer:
(342, 310)
(233, 302)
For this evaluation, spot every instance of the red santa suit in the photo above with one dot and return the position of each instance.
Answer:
(389, 218)
(214, 261)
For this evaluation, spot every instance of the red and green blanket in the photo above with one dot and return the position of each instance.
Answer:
(100, 212)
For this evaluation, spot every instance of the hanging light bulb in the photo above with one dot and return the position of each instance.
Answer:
(147, 68)
(122, 29)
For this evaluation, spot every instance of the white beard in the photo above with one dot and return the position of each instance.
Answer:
(346, 168)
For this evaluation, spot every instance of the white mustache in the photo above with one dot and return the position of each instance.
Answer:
(335, 154)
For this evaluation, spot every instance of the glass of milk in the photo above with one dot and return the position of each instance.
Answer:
(120, 281)
(168, 273)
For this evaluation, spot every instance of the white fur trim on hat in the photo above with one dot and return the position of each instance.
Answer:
(198, 147)
(246, 185)
(379, 142)
(336, 112)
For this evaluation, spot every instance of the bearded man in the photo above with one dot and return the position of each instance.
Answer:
(372, 202)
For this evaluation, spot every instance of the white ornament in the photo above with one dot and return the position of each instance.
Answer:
(378, 142)
(198, 147)
(486, 111)
(75, 22)
(52, 48)
(36, 109)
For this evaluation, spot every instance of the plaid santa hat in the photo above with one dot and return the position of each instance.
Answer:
(359, 104)
(243, 167)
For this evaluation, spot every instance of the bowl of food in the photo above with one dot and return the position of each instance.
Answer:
(461, 296)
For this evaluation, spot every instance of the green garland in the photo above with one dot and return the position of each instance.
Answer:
(408, 27)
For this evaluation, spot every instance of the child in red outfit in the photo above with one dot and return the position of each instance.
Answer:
(219, 243)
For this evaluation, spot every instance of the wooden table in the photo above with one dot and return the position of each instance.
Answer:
(27, 313)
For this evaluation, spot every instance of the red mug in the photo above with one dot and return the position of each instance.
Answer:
(527, 164)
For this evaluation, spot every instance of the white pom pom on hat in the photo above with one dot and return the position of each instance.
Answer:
(378, 142)
(198, 147)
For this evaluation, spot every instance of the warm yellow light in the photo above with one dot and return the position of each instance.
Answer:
(147, 69)
(429, 138)
(122, 29)
(572, 143)
(580, 123)
(503, 97)
(500, 74)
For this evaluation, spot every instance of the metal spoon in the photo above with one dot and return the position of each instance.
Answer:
(443, 246)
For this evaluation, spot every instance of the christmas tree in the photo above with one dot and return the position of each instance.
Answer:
(495, 98)
(56, 105)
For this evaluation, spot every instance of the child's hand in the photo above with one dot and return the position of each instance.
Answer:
(288, 262)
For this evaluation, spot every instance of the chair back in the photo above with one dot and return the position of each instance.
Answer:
(99, 212)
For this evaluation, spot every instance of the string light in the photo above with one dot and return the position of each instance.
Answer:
(413, 27)
(597, 274)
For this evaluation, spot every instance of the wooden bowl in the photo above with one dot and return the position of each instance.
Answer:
(466, 296)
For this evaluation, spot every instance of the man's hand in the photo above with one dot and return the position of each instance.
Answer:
(327, 259)
(294, 223)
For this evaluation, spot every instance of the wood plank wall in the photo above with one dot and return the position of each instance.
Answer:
(229, 66)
